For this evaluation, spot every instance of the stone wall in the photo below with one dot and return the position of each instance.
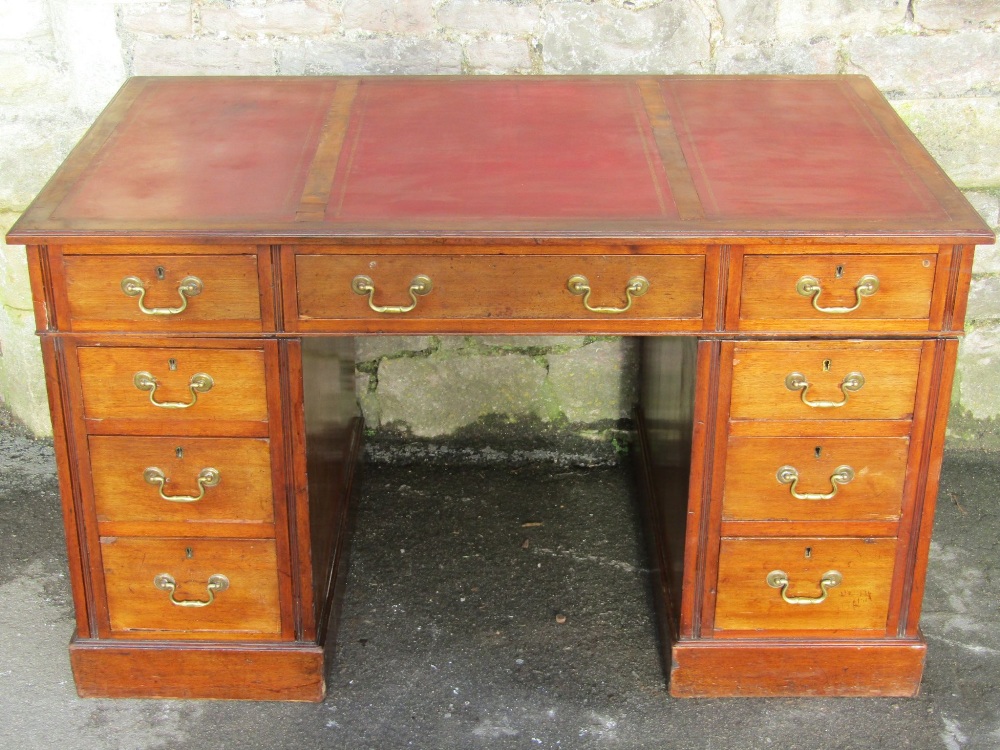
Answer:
(60, 60)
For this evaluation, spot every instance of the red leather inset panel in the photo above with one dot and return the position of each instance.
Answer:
(795, 148)
(495, 148)
(221, 150)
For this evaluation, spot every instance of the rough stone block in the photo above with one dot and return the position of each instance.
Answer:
(387, 56)
(978, 365)
(395, 16)
(36, 142)
(165, 57)
(86, 35)
(161, 19)
(819, 56)
(747, 20)
(949, 15)
(498, 56)
(26, 69)
(596, 382)
(15, 289)
(984, 301)
(295, 17)
(987, 256)
(533, 342)
(807, 19)
(23, 19)
(369, 348)
(22, 377)
(909, 65)
(437, 395)
(962, 134)
(587, 38)
(492, 16)
(367, 400)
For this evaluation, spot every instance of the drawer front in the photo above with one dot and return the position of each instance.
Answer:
(747, 601)
(247, 605)
(825, 380)
(506, 287)
(841, 292)
(163, 293)
(178, 480)
(121, 383)
(814, 479)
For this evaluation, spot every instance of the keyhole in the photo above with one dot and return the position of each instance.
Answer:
(809, 552)
(839, 272)
(817, 450)
(161, 273)
(189, 553)
(826, 365)
(179, 451)
(172, 364)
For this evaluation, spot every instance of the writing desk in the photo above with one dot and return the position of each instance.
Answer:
(796, 264)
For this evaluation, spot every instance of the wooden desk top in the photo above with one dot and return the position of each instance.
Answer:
(686, 158)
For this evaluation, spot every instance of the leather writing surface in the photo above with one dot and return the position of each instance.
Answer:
(522, 156)
(791, 148)
(220, 149)
(512, 148)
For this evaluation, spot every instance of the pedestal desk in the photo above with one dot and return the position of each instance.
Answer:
(796, 265)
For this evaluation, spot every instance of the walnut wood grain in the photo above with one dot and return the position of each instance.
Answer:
(889, 367)
(745, 602)
(753, 493)
(238, 671)
(109, 394)
(902, 302)
(497, 288)
(249, 607)
(229, 301)
(752, 669)
(239, 505)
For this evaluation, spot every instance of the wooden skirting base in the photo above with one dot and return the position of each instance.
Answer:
(287, 672)
(753, 669)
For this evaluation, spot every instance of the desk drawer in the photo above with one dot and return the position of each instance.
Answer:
(750, 585)
(173, 390)
(843, 292)
(828, 380)
(814, 479)
(178, 293)
(182, 486)
(356, 287)
(145, 577)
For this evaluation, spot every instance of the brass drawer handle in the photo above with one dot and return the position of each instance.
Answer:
(362, 285)
(790, 475)
(636, 287)
(852, 382)
(207, 477)
(199, 383)
(809, 286)
(190, 286)
(778, 579)
(166, 582)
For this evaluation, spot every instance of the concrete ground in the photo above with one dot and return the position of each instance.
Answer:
(453, 633)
